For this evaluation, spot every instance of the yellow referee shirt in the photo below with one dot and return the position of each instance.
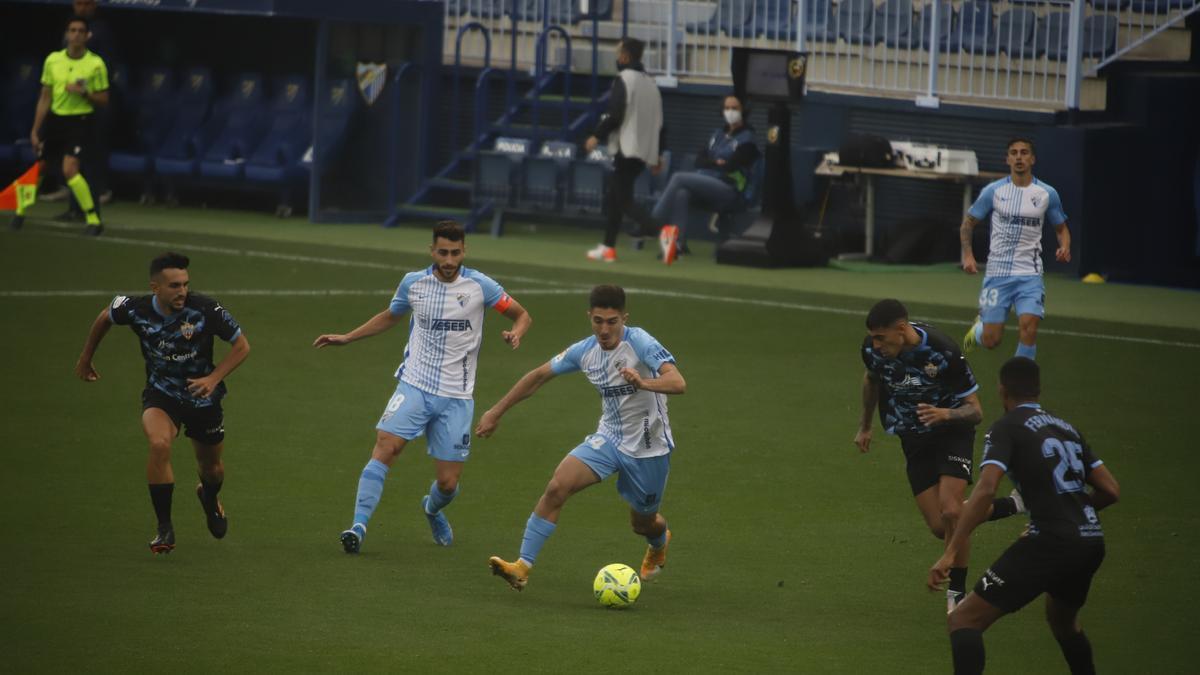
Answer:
(61, 70)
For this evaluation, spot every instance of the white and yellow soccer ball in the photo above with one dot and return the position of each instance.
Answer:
(617, 586)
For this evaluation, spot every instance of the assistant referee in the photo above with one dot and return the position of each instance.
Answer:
(74, 82)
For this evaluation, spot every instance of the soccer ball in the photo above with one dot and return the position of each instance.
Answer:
(617, 586)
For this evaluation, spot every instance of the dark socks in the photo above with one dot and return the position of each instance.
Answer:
(211, 489)
(1078, 652)
(958, 580)
(1003, 508)
(966, 645)
(160, 496)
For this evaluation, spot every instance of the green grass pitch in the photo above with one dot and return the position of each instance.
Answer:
(792, 552)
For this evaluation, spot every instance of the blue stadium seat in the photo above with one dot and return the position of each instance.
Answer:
(732, 17)
(1110, 5)
(151, 107)
(855, 19)
(601, 9)
(586, 182)
(819, 21)
(1015, 32)
(947, 34)
(895, 24)
(179, 152)
(560, 12)
(775, 19)
(22, 87)
(237, 128)
(488, 9)
(976, 27)
(335, 112)
(1052, 36)
(542, 177)
(276, 162)
(648, 187)
(496, 171)
(1099, 37)
(1157, 6)
(750, 201)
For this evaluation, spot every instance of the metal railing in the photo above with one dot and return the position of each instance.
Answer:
(1030, 52)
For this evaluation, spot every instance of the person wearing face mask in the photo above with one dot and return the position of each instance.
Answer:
(722, 173)
(633, 128)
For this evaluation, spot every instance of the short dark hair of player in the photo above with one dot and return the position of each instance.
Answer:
(1021, 139)
(607, 296)
(169, 261)
(451, 230)
(79, 19)
(634, 48)
(1021, 378)
(885, 313)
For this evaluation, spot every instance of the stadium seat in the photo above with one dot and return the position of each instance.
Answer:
(855, 18)
(947, 34)
(496, 171)
(560, 12)
(586, 182)
(542, 177)
(151, 105)
(601, 9)
(976, 27)
(1015, 32)
(334, 114)
(775, 19)
(21, 89)
(238, 124)
(488, 9)
(179, 152)
(750, 201)
(276, 162)
(1110, 5)
(819, 21)
(1098, 39)
(1157, 6)
(732, 17)
(895, 24)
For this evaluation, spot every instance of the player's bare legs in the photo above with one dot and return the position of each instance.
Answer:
(966, 625)
(1064, 624)
(370, 487)
(651, 526)
(571, 476)
(940, 506)
(160, 433)
(992, 334)
(1029, 328)
(212, 476)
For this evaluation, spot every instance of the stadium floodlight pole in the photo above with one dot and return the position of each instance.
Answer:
(1074, 55)
(930, 99)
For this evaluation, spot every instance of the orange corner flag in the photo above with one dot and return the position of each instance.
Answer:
(22, 193)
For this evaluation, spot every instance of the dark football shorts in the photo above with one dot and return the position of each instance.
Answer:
(66, 135)
(1041, 564)
(941, 452)
(205, 425)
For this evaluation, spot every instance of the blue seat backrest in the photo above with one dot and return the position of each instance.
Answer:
(193, 99)
(855, 19)
(1015, 32)
(751, 194)
(894, 18)
(337, 106)
(21, 89)
(236, 128)
(290, 132)
(154, 100)
(561, 151)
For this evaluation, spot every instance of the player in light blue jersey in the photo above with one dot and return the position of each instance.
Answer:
(1020, 206)
(632, 372)
(446, 302)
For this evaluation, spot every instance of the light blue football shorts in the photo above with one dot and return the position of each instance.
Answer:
(640, 482)
(1026, 293)
(446, 421)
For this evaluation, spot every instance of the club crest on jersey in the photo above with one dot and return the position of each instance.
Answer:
(187, 330)
(462, 299)
(1033, 199)
(931, 369)
(619, 364)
